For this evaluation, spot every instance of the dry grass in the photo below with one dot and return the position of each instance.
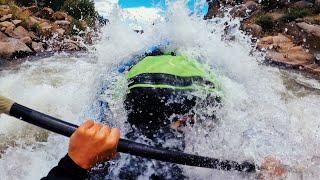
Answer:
(5, 2)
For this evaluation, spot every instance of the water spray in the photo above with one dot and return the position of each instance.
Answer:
(58, 126)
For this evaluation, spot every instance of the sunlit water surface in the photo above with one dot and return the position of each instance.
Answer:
(266, 111)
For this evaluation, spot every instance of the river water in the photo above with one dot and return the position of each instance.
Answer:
(266, 111)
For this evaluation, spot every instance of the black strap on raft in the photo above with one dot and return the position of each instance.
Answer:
(168, 79)
(125, 146)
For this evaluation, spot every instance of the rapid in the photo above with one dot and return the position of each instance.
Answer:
(266, 111)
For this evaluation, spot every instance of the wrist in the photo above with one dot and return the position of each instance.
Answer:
(84, 164)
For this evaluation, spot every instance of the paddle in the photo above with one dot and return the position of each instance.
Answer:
(23, 113)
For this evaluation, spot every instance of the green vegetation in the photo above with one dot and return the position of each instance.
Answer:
(272, 4)
(266, 22)
(5, 2)
(18, 13)
(81, 10)
(35, 27)
(295, 13)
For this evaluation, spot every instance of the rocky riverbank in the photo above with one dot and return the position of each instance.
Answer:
(29, 30)
(289, 31)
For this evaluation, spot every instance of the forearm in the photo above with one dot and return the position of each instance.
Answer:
(67, 169)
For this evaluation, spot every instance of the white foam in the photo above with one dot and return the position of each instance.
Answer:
(261, 114)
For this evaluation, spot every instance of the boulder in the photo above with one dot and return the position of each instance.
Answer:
(3, 37)
(310, 28)
(46, 13)
(317, 57)
(69, 46)
(276, 16)
(6, 24)
(11, 47)
(281, 49)
(317, 3)
(59, 31)
(245, 9)
(45, 28)
(302, 5)
(59, 15)
(63, 23)
(37, 46)
(32, 22)
(27, 40)
(4, 7)
(274, 42)
(253, 29)
(16, 22)
(4, 11)
(9, 30)
(6, 17)
(20, 32)
(312, 19)
(32, 9)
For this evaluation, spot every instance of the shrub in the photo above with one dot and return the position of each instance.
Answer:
(294, 14)
(265, 21)
(53, 4)
(25, 2)
(2, 2)
(81, 10)
(18, 13)
(272, 4)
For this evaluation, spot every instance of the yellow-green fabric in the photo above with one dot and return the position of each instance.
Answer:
(180, 66)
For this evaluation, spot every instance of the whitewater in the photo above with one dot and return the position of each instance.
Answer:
(266, 110)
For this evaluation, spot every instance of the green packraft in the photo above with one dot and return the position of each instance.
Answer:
(173, 72)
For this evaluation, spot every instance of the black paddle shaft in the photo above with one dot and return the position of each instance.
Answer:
(125, 146)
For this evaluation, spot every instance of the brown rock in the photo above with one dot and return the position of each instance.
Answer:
(27, 40)
(6, 17)
(4, 7)
(32, 9)
(4, 11)
(271, 42)
(309, 28)
(37, 46)
(16, 22)
(312, 19)
(276, 16)
(20, 32)
(9, 30)
(59, 15)
(59, 31)
(317, 57)
(69, 46)
(46, 13)
(317, 3)
(32, 21)
(62, 23)
(253, 29)
(313, 68)
(245, 9)
(32, 35)
(3, 37)
(281, 49)
(45, 28)
(302, 4)
(6, 24)
(13, 47)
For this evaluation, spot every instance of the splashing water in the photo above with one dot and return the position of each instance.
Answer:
(266, 111)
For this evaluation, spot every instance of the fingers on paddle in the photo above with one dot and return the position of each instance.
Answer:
(87, 125)
(103, 133)
(113, 139)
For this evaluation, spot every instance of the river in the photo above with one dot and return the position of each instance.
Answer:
(267, 110)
